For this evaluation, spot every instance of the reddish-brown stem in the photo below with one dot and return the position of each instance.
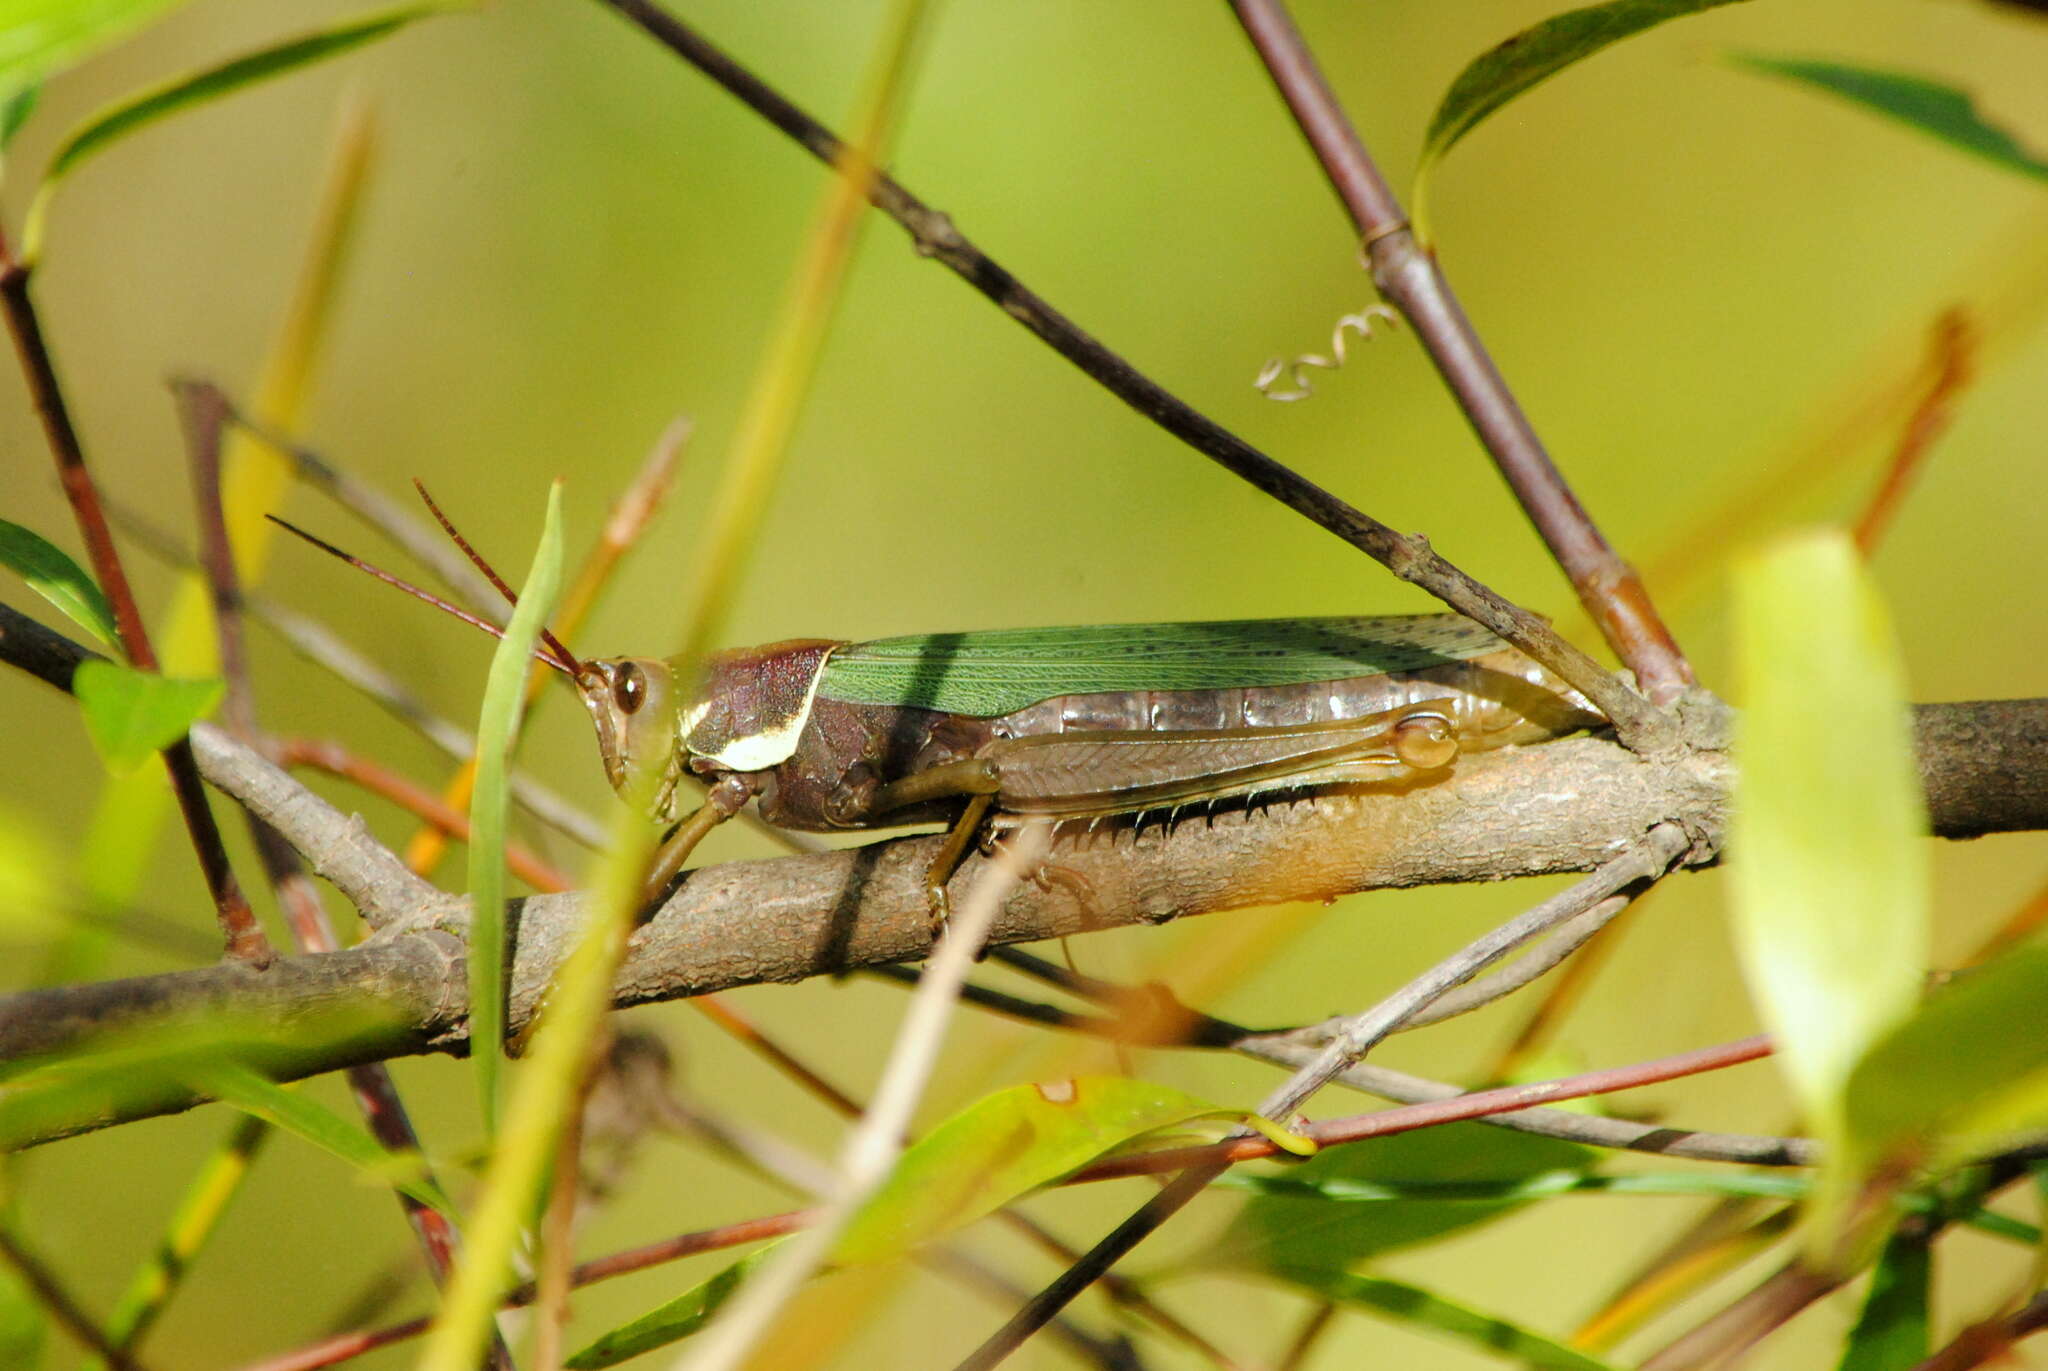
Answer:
(1198, 1166)
(1409, 1117)
(205, 412)
(743, 1030)
(1981, 1344)
(245, 938)
(1768, 1306)
(415, 799)
(330, 1351)
(1953, 362)
(1639, 725)
(1410, 278)
(1330, 1133)
(2020, 925)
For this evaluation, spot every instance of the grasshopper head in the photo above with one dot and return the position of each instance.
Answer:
(632, 702)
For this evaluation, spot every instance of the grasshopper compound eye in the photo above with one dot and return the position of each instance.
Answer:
(629, 688)
(1426, 742)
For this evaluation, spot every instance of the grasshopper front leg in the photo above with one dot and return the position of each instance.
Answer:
(728, 796)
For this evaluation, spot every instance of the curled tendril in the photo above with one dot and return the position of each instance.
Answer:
(1295, 372)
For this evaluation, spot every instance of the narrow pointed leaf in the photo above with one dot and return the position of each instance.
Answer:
(132, 715)
(1004, 1146)
(1306, 1220)
(213, 83)
(497, 732)
(1530, 58)
(671, 1322)
(1935, 108)
(50, 573)
(1891, 1332)
(14, 112)
(1432, 1313)
(1830, 869)
(308, 1119)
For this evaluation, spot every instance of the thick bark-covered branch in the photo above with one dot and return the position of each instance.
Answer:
(1564, 806)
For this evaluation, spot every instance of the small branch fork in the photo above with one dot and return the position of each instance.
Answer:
(1984, 765)
(1408, 275)
(1642, 862)
(1641, 726)
(1491, 1105)
(204, 412)
(245, 938)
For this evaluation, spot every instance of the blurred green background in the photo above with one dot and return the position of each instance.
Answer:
(1693, 276)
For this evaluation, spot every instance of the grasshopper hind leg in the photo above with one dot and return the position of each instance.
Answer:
(964, 834)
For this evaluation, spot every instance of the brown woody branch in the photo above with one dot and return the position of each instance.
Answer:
(1519, 812)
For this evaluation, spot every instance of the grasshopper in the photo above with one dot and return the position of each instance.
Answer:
(987, 730)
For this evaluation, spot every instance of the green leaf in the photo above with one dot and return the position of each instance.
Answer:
(52, 574)
(1958, 1079)
(1830, 880)
(14, 112)
(201, 87)
(497, 732)
(1423, 1309)
(132, 715)
(1003, 1146)
(1306, 1222)
(39, 36)
(677, 1319)
(1530, 58)
(1933, 107)
(1891, 1332)
(308, 1119)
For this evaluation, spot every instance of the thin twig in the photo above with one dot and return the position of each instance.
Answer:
(630, 515)
(1992, 1340)
(1307, 1336)
(749, 922)
(415, 799)
(1642, 861)
(1762, 1310)
(324, 648)
(1408, 275)
(376, 509)
(1640, 725)
(204, 411)
(331, 1350)
(1953, 362)
(342, 1347)
(1468, 1105)
(873, 1145)
(1561, 997)
(1567, 938)
(244, 936)
(57, 1302)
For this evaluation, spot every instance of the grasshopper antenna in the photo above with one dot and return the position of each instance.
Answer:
(557, 657)
(476, 559)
